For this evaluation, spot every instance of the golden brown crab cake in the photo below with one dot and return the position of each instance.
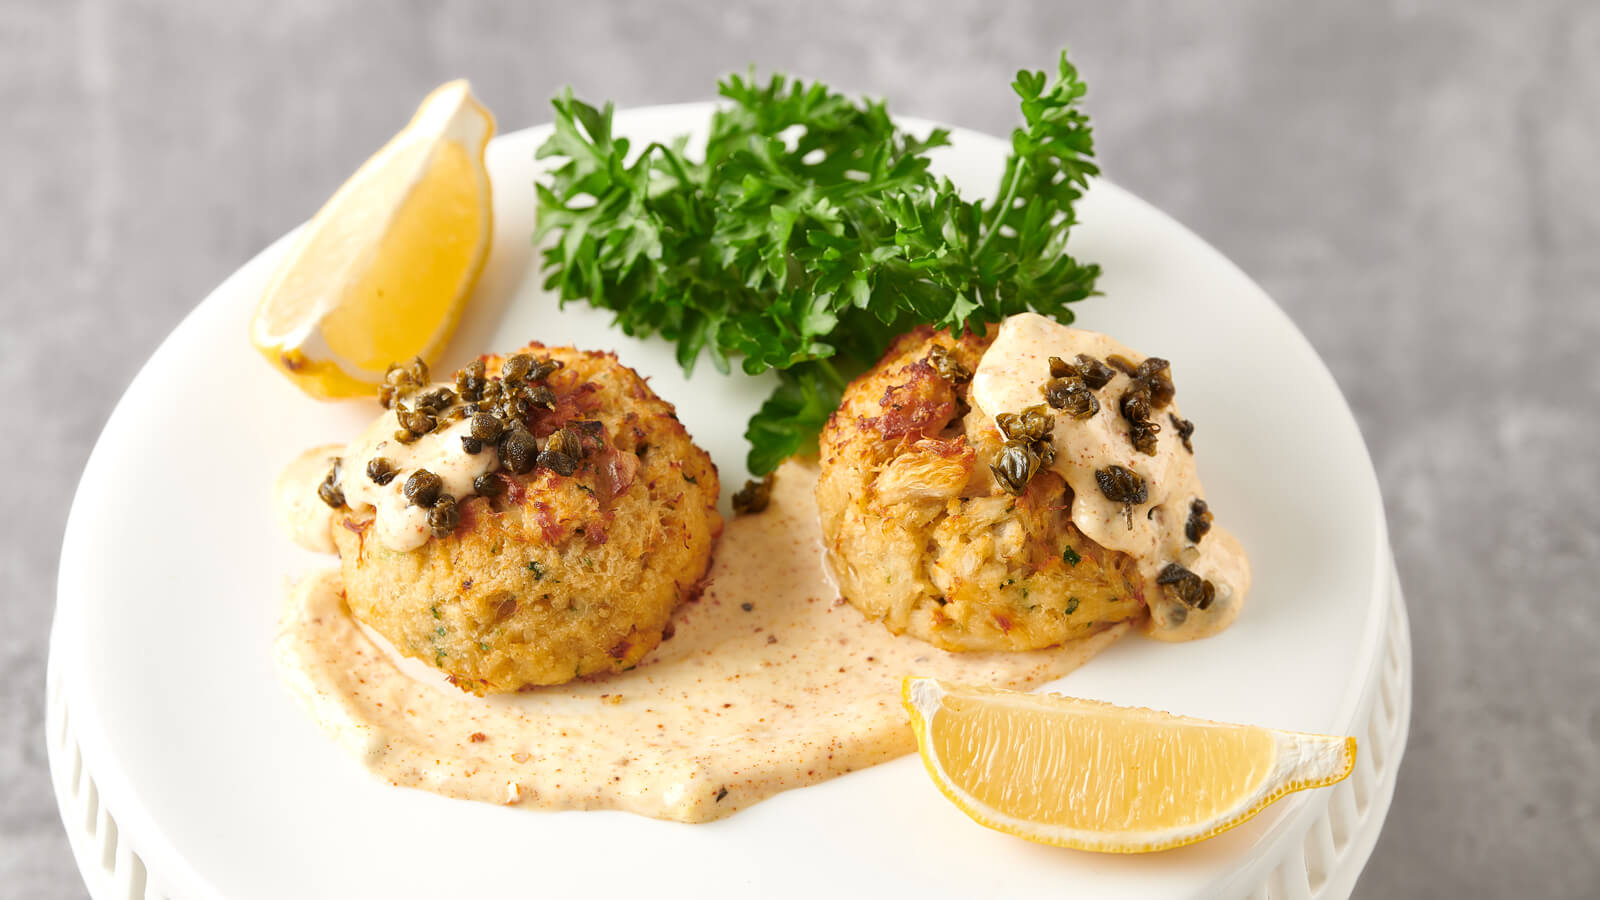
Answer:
(921, 537)
(558, 564)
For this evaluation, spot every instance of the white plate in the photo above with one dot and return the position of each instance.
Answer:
(171, 573)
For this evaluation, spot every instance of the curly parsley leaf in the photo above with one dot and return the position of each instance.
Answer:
(809, 234)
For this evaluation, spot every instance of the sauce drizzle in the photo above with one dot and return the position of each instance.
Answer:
(770, 683)
(1008, 380)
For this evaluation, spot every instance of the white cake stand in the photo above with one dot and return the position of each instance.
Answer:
(183, 769)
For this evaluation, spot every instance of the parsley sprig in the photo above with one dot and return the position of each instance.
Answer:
(810, 234)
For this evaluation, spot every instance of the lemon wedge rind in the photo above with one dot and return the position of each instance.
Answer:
(1298, 762)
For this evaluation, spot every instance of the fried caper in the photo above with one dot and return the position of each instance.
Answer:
(1157, 373)
(470, 381)
(754, 496)
(436, 400)
(422, 488)
(416, 420)
(486, 427)
(1032, 424)
(488, 485)
(1015, 466)
(1142, 434)
(516, 368)
(1190, 589)
(380, 470)
(561, 452)
(418, 370)
(328, 490)
(443, 516)
(1199, 521)
(948, 367)
(541, 396)
(471, 445)
(519, 452)
(330, 495)
(1135, 402)
(543, 368)
(1096, 374)
(514, 406)
(1060, 368)
(1072, 396)
(1121, 485)
(1046, 451)
(1184, 429)
(1122, 364)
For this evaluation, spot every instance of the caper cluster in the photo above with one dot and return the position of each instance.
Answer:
(496, 405)
(1190, 589)
(425, 412)
(1027, 449)
(425, 489)
(520, 451)
(401, 379)
(1150, 390)
(1199, 521)
(1072, 385)
(500, 409)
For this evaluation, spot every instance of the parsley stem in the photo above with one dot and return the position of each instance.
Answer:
(1001, 209)
(833, 376)
(672, 160)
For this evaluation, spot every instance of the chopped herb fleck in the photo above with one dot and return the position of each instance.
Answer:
(1071, 557)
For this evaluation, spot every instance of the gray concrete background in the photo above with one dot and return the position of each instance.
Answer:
(1414, 181)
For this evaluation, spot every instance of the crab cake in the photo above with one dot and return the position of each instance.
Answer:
(979, 528)
(534, 521)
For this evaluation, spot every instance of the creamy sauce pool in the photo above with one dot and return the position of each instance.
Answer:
(770, 683)
(1008, 380)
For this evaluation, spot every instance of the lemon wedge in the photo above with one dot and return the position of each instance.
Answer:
(1113, 779)
(381, 273)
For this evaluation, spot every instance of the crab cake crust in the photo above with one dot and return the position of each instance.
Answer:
(557, 577)
(921, 537)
